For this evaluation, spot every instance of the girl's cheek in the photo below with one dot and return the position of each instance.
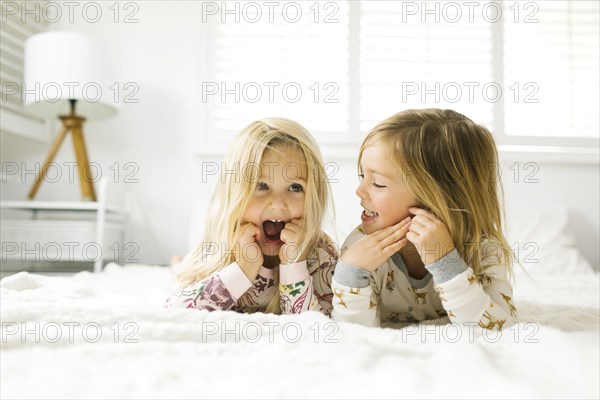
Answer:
(298, 212)
(301, 211)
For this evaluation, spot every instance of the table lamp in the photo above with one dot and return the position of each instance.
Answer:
(66, 76)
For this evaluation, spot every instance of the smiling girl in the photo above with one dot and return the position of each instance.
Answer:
(430, 243)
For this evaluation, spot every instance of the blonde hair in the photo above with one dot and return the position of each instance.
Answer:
(233, 194)
(450, 164)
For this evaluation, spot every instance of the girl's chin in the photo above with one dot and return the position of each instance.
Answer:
(371, 228)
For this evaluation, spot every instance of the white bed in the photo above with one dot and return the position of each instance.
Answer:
(553, 352)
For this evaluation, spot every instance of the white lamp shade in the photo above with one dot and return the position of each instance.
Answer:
(60, 66)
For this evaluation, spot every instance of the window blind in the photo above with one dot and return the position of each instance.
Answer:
(292, 62)
(551, 51)
(14, 31)
(526, 70)
(412, 59)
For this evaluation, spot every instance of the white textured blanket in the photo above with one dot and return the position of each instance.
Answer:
(107, 335)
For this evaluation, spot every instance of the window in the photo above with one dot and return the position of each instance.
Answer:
(297, 70)
(527, 70)
(14, 31)
(405, 63)
(551, 54)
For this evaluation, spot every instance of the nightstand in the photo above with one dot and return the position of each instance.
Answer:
(62, 232)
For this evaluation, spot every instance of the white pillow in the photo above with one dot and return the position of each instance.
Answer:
(543, 243)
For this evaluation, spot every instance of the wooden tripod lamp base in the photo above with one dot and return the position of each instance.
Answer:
(74, 124)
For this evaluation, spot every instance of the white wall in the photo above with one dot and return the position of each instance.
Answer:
(162, 54)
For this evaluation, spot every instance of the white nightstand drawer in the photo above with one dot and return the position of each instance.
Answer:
(59, 240)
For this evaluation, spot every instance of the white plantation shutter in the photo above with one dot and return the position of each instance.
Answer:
(407, 63)
(14, 31)
(380, 59)
(553, 46)
(297, 70)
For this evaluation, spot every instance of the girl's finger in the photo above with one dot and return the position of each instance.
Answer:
(400, 224)
(386, 232)
(282, 237)
(294, 224)
(292, 231)
(255, 232)
(252, 230)
(416, 211)
(396, 246)
(395, 236)
(412, 237)
(292, 227)
(417, 228)
(424, 221)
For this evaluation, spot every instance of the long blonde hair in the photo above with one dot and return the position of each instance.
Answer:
(234, 192)
(450, 164)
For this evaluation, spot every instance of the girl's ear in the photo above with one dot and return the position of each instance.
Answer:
(418, 204)
(422, 206)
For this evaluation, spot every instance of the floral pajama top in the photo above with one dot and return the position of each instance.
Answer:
(302, 286)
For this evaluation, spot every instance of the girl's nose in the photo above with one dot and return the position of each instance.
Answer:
(360, 191)
(278, 202)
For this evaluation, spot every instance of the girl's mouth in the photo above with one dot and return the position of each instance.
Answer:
(368, 215)
(272, 229)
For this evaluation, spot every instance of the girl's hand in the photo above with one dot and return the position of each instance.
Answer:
(372, 251)
(291, 248)
(429, 235)
(248, 254)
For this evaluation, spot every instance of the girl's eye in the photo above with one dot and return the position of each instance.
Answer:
(261, 186)
(378, 186)
(361, 177)
(296, 187)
